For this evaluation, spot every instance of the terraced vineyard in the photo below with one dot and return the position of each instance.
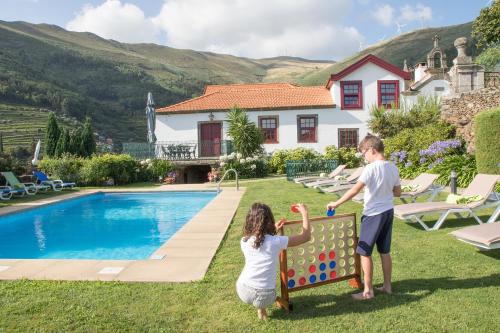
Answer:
(20, 125)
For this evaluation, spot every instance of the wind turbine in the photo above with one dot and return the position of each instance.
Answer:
(400, 26)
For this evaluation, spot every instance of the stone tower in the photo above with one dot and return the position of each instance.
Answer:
(436, 58)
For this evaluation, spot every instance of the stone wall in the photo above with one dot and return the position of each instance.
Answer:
(492, 79)
(460, 110)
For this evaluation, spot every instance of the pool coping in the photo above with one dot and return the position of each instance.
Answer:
(184, 257)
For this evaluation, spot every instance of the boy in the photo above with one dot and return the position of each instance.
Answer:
(381, 179)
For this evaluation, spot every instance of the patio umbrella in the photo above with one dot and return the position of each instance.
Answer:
(34, 161)
(151, 118)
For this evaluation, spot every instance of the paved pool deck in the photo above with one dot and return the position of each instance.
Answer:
(185, 257)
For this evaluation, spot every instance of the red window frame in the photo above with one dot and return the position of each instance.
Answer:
(348, 137)
(348, 94)
(270, 134)
(311, 135)
(381, 92)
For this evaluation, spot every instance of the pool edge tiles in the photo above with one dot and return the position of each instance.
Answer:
(186, 255)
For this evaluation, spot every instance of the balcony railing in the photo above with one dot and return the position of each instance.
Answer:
(179, 150)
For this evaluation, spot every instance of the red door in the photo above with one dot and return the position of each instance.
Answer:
(210, 136)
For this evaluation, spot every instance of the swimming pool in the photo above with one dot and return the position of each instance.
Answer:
(128, 226)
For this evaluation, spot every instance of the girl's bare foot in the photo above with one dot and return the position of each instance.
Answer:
(363, 296)
(262, 314)
(385, 290)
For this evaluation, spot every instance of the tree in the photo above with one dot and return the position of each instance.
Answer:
(62, 144)
(486, 27)
(1, 143)
(247, 137)
(490, 58)
(88, 141)
(51, 135)
(75, 142)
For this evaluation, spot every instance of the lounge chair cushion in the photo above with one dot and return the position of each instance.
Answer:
(462, 199)
(484, 234)
(423, 207)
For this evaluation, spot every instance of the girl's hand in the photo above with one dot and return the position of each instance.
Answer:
(332, 205)
(280, 224)
(302, 209)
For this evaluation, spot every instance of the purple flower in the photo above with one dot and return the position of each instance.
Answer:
(439, 160)
(423, 160)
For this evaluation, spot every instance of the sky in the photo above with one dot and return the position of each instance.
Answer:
(312, 29)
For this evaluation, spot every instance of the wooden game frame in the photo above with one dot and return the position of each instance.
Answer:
(354, 279)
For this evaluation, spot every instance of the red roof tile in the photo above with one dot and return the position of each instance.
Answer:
(263, 96)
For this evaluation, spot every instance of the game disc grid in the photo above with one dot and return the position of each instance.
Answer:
(329, 255)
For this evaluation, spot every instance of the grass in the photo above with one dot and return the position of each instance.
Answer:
(440, 285)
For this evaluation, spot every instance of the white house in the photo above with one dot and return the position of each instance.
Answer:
(289, 115)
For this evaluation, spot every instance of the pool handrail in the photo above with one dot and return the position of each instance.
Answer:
(224, 176)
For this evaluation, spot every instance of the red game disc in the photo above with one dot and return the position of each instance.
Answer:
(291, 273)
(333, 274)
(331, 255)
(302, 281)
(294, 208)
(322, 257)
(312, 269)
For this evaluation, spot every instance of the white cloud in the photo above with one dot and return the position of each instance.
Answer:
(384, 15)
(260, 28)
(418, 13)
(114, 20)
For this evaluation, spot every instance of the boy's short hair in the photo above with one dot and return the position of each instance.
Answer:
(371, 141)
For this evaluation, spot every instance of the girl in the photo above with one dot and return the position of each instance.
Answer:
(261, 247)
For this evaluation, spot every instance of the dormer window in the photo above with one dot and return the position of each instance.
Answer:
(351, 95)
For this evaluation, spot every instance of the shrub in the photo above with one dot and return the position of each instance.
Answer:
(279, 158)
(412, 140)
(389, 122)
(160, 168)
(99, 169)
(490, 58)
(343, 155)
(8, 162)
(247, 137)
(486, 128)
(464, 165)
(250, 167)
(67, 167)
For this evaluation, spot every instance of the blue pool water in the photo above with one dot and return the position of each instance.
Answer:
(99, 226)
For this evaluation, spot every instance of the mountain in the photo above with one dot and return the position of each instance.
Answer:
(412, 46)
(80, 74)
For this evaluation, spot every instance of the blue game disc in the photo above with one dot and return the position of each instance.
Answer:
(330, 212)
(291, 283)
(322, 266)
(332, 264)
(312, 278)
(322, 277)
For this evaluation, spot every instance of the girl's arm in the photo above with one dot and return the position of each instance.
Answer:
(306, 229)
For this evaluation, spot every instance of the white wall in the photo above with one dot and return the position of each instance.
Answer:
(184, 127)
(429, 90)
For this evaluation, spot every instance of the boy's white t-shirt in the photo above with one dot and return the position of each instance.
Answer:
(260, 264)
(379, 178)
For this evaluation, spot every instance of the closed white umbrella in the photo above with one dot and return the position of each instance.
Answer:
(34, 161)
(151, 118)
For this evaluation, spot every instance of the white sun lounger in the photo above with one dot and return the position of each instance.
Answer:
(338, 170)
(324, 185)
(484, 237)
(425, 183)
(482, 185)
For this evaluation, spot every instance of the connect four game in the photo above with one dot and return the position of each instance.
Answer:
(330, 256)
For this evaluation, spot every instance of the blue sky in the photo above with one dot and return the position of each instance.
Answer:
(315, 29)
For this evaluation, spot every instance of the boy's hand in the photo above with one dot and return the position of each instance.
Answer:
(332, 205)
(280, 224)
(302, 209)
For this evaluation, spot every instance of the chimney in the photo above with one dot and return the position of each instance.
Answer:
(420, 71)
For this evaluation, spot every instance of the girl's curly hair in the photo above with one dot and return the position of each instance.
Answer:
(259, 222)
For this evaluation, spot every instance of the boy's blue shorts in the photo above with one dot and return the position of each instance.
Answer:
(376, 229)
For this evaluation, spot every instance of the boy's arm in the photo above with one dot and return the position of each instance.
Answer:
(396, 191)
(347, 196)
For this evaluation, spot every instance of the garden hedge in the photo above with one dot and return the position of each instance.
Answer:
(487, 139)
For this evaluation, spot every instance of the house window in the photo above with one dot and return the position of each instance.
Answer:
(388, 93)
(307, 128)
(348, 137)
(269, 127)
(351, 95)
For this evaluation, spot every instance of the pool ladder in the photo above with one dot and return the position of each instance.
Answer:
(224, 176)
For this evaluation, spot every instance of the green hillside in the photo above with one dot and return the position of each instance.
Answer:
(412, 46)
(80, 74)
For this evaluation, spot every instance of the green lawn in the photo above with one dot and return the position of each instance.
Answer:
(440, 285)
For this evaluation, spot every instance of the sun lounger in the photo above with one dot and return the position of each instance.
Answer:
(485, 236)
(26, 188)
(421, 185)
(323, 185)
(6, 192)
(482, 185)
(338, 170)
(339, 189)
(56, 185)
